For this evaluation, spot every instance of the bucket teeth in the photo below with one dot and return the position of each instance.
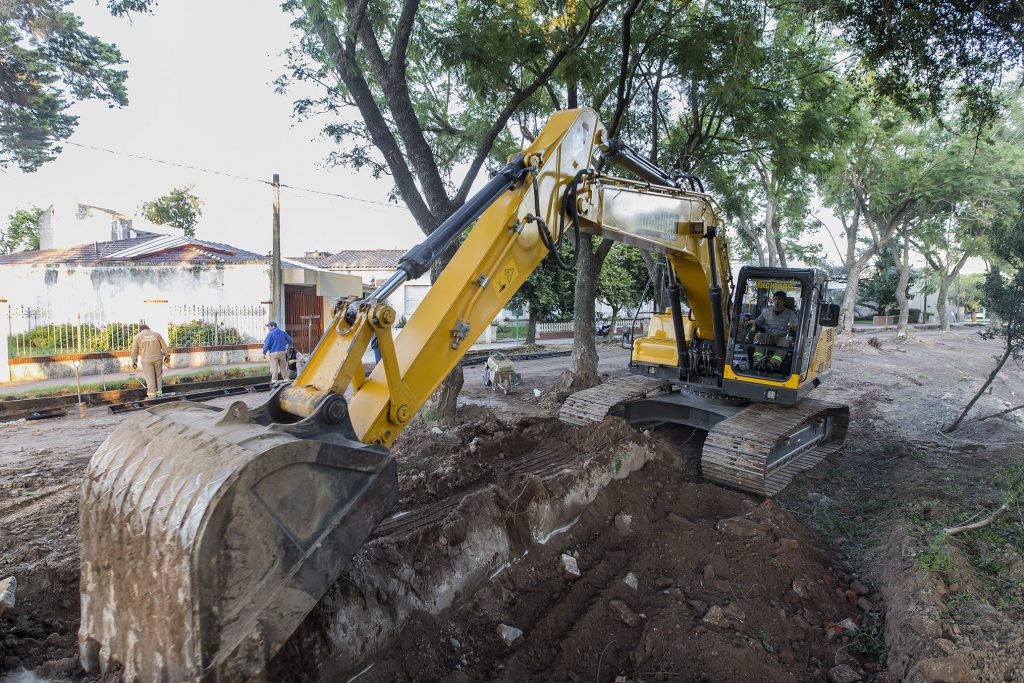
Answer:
(207, 538)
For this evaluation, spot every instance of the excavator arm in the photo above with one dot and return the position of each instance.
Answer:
(530, 203)
(209, 535)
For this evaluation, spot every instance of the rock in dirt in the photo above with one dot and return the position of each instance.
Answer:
(631, 580)
(789, 543)
(865, 604)
(623, 523)
(624, 613)
(698, 607)
(859, 588)
(436, 430)
(7, 588)
(716, 617)
(509, 634)
(58, 668)
(739, 526)
(733, 611)
(570, 568)
(943, 670)
(843, 674)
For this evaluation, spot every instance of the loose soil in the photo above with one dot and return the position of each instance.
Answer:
(866, 519)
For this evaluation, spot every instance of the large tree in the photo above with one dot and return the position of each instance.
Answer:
(1003, 296)
(22, 233)
(428, 94)
(180, 208)
(547, 293)
(47, 62)
(927, 55)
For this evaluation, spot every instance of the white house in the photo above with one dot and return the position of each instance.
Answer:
(99, 268)
(373, 266)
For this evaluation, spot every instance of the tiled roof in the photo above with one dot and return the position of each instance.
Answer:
(314, 261)
(378, 259)
(146, 248)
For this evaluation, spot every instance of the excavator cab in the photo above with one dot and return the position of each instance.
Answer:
(799, 339)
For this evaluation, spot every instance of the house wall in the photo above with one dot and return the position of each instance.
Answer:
(117, 293)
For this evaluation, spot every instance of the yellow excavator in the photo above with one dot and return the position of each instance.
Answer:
(208, 535)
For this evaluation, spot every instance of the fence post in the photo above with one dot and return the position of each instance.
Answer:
(5, 361)
(158, 317)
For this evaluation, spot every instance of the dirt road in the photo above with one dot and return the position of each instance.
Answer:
(710, 602)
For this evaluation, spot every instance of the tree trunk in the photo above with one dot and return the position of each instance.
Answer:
(992, 375)
(447, 396)
(582, 372)
(769, 233)
(615, 317)
(941, 305)
(901, 291)
(531, 329)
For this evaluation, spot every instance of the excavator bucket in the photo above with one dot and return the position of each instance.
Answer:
(208, 535)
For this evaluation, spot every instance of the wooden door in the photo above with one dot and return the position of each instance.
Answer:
(303, 316)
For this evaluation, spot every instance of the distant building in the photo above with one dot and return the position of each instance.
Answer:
(374, 267)
(102, 262)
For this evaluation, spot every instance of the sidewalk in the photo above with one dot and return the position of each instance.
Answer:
(20, 387)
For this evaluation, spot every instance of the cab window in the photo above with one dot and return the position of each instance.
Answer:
(768, 327)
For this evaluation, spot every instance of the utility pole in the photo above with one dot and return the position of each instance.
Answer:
(276, 279)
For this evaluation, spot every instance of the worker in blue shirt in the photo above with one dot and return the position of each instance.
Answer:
(274, 346)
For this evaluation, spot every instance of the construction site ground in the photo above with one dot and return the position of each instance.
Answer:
(845, 576)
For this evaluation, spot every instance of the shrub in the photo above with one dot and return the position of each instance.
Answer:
(198, 333)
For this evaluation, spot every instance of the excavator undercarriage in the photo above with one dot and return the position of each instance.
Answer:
(752, 447)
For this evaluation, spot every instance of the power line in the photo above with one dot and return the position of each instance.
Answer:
(234, 176)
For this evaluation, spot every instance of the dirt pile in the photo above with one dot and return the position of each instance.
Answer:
(677, 579)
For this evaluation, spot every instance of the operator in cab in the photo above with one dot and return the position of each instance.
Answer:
(778, 323)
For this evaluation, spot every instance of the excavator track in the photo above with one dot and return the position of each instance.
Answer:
(764, 446)
(594, 404)
(759, 449)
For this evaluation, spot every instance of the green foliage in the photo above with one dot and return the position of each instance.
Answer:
(179, 207)
(622, 279)
(936, 558)
(22, 233)
(1002, 293)
(870, 638)
(879, 291)
(47, 62)
(197, 333)
(923, 54)
(47, 340)
(971, 293)
(548, 292)
(61, 338)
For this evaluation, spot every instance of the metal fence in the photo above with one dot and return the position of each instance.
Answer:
(193, 326)
(514, 329)
(31, 331)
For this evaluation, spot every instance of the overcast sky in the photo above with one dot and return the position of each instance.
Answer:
(200, 88)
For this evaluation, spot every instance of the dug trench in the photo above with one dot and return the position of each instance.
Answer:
(534, 551)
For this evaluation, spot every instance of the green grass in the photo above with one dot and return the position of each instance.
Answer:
(135, 383)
